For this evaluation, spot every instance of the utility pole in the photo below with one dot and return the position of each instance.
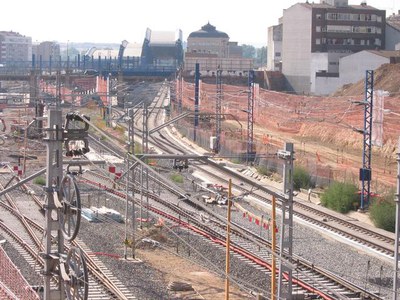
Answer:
(109, 114)
(250, 118)
(286, 242)
(273, 248)
(62, 212)
(131, 151)
(58, 89)
(228, 241)
(218, 112)
(180, 90)
(127, 208)
(196, 100)
(34, 94)
(397, 231)
(365, 171)
(54, 172)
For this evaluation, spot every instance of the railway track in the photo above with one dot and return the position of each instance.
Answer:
(373, 240)
(319, 219)
(24, 233)
(245, 243)
(376, 241)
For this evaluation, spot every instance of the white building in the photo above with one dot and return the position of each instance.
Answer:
(14, 48)
(393, 32)
(274, 56)
(317, 35)
(353, 67)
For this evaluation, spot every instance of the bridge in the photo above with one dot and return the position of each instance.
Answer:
(160, 55)
(83, 65)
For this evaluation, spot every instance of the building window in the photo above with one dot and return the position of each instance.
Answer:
(319, 16)
(277, 54)
(318, 29)
(318, 41)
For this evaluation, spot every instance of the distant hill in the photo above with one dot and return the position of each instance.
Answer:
(386, 77)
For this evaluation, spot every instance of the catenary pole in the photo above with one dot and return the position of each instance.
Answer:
(396, 245)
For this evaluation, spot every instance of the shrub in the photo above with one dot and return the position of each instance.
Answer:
(341, 197)
(264, 170)
(40, 181)
(301, 179)
(383, 212)
(177, 178)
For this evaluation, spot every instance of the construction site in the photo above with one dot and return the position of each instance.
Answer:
(326, 131)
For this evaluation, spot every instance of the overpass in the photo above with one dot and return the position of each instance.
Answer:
(85, 66)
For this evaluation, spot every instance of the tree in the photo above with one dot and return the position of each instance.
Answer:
(261, 56)
(249, 51)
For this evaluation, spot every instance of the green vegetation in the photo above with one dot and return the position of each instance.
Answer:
(383, 212)
(40, 181)
(301, 179)
(264, 170)
(341, 197)
(177, 178)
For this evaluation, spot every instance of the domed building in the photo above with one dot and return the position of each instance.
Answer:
(208, 40)
(211, 48)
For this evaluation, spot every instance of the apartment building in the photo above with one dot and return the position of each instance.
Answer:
(45, 50)
(14, 48)
(317, 35)
(274, 56)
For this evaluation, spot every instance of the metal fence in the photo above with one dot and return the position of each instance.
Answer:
(12, 283)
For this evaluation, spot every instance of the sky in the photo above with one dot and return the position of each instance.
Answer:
(117, 20)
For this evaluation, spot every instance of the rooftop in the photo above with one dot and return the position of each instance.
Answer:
(208, 31)
(324, 5)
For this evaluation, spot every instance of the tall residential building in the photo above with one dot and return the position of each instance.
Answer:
(45, 50)
(274, 57)
(212, 49)
(317, 35)
(14, 48)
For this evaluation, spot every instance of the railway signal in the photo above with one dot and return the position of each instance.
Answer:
(75, 134)
(180, 164)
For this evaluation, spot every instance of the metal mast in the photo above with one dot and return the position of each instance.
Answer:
(54, 173)
(196, 100)
(218, 111)
(365, 172)
(180, 90)
(286, 242)
(250, 116)
(397, 233)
